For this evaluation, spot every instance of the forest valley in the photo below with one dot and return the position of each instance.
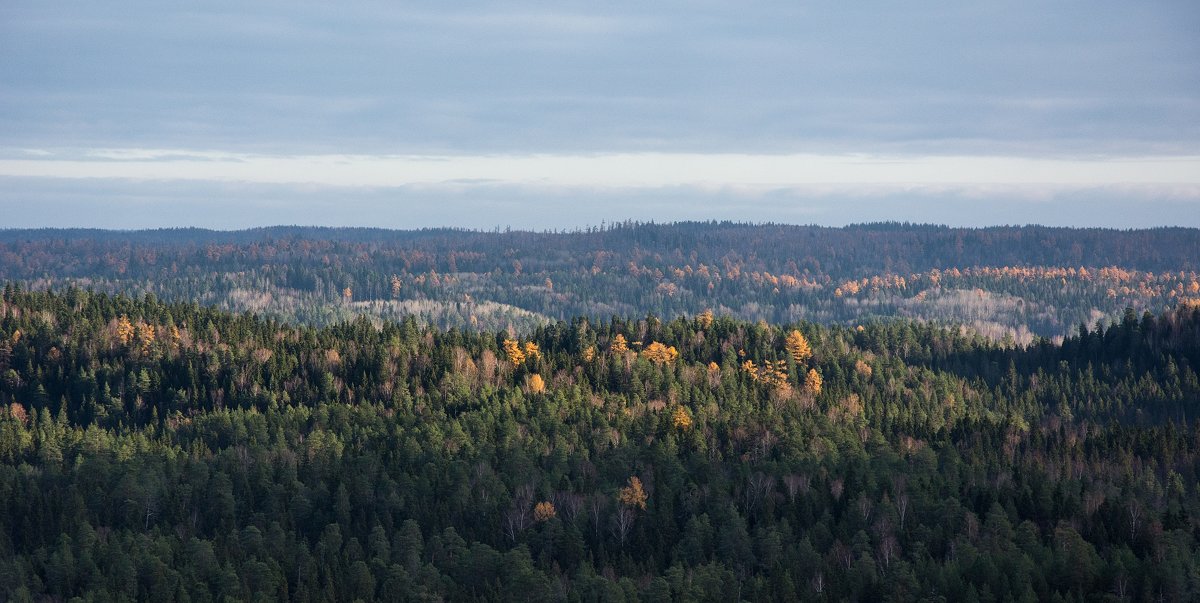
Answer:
(174, 451)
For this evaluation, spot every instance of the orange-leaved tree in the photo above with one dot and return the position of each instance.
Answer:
(798, 347)
(812, 382)
(619, 345)
(124, 330)
(544, 511)
(659, 353)
(682, 420)
(513, 350)
(536, 384)
(532, 352)
(633, 495)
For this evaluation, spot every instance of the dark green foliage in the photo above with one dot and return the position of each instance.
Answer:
(229, 456)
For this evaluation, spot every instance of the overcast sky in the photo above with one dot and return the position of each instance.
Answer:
(552, 115)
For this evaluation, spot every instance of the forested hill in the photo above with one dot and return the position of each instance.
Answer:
(867, 248)
(1016, 281)
(161, 451)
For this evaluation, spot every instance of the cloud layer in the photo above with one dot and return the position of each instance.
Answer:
(701, 102)
(775, 77)
(610, 170)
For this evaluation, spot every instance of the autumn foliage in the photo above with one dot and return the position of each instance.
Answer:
(532, 352)
(536, 384)
(659, 353)
(681, 419)
(512, 349)
(633, 495)
(812, 382)
(798, 347)
(619, 345)
(544, 511)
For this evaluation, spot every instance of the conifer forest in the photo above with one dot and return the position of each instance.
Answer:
(638, 412)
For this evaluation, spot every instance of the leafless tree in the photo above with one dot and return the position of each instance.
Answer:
(515, 521)
(888, 546)
(568, 503)
(623, 523)
(1093, 500)
(818, 583)
(596, 511)
(1121, 585)
(149, 503)
(836, 487)
(842, 554)
(865, 506)
(518, 516)
(971, 525)
(765, 442)
(479, 475)
(902, 508)
(757, 487)
(1135, 516)
(796, 484)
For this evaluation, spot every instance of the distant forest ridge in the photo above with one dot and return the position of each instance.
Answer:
(1004, 282)
(907, 246)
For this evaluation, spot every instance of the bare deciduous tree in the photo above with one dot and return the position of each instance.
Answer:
(518, 516)
(623, 523)
(796, 484)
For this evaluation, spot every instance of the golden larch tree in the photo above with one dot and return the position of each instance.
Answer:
(682, 420)
(145, 335)
(798, 347)
(532, 352)
(124, 330)
(619, 345)
(812, 382)
(536, 384)
(659, 353)
(774, 372)
(513, 349)
(751, 369)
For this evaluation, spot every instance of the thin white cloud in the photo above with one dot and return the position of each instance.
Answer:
(1180, 175)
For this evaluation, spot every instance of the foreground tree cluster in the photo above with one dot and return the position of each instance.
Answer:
(173, 452)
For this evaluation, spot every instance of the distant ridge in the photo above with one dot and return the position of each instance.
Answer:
(1020, 281)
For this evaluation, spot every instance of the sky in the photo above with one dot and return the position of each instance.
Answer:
(557, 115)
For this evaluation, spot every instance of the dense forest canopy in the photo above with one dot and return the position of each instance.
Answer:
(1019, 282)
(162, 451)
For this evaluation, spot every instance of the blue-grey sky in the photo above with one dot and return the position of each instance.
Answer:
(546, 115)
